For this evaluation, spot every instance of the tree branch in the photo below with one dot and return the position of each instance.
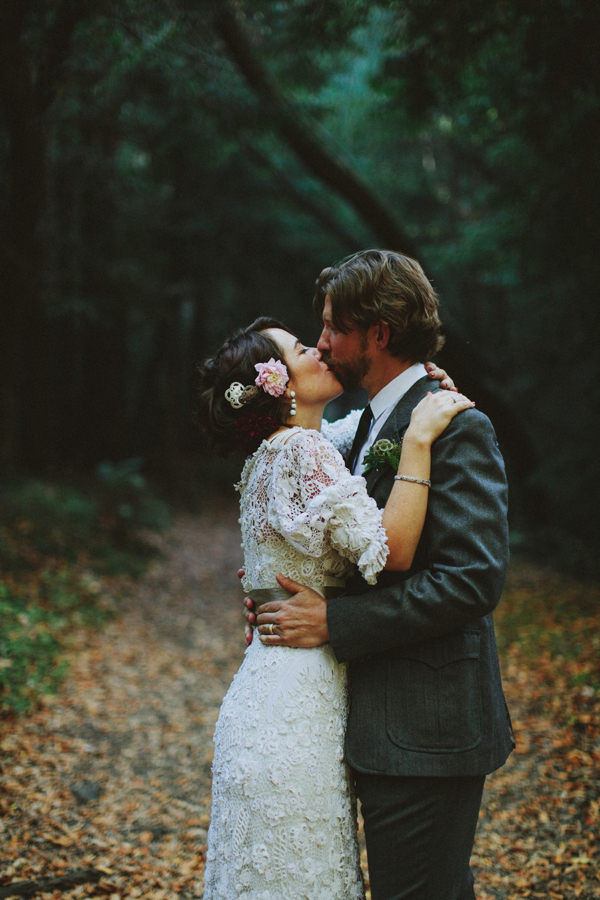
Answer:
(303, 201)
(64, 882)
(303, 142)
(298, 196)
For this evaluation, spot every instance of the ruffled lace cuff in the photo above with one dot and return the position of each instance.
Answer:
(352, 520)
(373, 560)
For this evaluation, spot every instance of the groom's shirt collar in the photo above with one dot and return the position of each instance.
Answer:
(384, 402)
(394, 390)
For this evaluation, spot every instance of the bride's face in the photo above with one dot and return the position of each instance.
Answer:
(311, 379)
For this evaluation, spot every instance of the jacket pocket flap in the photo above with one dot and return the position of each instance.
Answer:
(445, 650)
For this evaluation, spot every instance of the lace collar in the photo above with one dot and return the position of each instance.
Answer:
(272, 444)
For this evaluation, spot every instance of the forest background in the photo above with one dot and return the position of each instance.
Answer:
(170, 169)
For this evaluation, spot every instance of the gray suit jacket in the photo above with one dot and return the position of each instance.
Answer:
(425, 691)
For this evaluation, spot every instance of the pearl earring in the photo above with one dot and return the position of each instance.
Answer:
(293, 406)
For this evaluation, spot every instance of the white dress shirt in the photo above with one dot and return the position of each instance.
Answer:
(383, 403)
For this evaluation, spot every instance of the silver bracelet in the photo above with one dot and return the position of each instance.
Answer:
(424, 481)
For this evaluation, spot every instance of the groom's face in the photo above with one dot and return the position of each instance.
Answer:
(345, 353)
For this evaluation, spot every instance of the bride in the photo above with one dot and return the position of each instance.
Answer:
(283, 823)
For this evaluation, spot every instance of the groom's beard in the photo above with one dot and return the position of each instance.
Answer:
(351, 373)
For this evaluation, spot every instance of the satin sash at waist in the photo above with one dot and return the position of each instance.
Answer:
(266, 595)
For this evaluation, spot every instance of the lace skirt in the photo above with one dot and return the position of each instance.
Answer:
(283, 823)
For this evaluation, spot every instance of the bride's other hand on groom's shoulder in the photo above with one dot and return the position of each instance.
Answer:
(438, 374)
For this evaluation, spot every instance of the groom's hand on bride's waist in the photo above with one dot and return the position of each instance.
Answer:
(300, 621)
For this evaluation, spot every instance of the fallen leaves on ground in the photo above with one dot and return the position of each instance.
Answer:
(539, 831)
(113, 773)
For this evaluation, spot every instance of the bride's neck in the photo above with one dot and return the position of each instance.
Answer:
(307, 417)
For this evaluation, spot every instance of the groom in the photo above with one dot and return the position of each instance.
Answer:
(427, 717)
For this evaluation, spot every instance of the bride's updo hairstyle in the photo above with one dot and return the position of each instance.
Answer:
(233, 428)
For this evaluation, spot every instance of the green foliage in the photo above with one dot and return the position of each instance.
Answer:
(127, 505)
(101, 526)
(42, 519)
(39, 616)
(54, 542)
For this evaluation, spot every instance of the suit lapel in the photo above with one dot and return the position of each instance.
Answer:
(393, 429)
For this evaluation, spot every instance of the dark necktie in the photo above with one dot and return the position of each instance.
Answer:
(362, 433)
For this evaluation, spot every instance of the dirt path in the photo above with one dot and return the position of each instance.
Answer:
(114, 772)
(131, 729)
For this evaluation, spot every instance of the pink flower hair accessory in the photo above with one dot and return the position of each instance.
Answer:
(272, 377)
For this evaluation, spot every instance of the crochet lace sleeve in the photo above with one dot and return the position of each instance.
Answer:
(341, 432)
(316, 503)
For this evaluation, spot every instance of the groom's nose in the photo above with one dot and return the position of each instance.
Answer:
(323, 345)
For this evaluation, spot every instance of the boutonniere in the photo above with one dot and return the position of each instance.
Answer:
(382, 453)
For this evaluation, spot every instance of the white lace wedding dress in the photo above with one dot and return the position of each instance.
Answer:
(283, 818)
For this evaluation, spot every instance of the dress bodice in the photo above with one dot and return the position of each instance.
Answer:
(303, 514)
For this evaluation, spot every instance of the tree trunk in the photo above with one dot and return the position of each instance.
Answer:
(19, 262)
(299, 136)
(27, 88)
(64, 882)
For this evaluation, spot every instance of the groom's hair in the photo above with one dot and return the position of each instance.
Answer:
(382, 286)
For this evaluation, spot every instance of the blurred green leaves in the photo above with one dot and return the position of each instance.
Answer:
(56, 545)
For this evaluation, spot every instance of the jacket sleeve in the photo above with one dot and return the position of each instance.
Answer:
(461, 559)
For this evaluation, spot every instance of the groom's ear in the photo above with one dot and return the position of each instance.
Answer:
(382, 334)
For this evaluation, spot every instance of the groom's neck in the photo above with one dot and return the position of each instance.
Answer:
(384, 368)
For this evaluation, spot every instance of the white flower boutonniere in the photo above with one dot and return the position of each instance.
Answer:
(382, 453)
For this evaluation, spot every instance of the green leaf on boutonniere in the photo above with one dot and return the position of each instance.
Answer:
(382, 453)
